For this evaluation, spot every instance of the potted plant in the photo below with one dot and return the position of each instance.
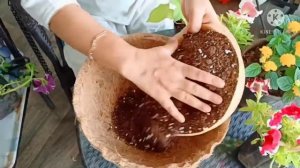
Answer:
(277, 131)
(277, 58)
(16, 74)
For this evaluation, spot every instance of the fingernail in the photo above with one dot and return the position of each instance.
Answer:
(219, 100)
(222, 84)
(181, 119)
(207, 109)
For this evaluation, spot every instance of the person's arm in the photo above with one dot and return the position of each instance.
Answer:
(152, 70)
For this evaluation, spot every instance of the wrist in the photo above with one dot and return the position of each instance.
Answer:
(113, 52)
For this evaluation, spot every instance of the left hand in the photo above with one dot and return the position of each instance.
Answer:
(198, 12)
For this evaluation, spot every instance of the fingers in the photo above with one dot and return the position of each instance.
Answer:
(165, 101)
(171, 46)
(191, 100)
(195, 19)
(201, 92)
(202, 76)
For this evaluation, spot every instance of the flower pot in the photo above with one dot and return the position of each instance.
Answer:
(250, 156)
(95, 101)
(8, 103)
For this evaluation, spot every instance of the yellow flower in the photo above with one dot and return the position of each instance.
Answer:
(297, 52)
(270, 66)
(288, 60)
(294, 27)
(266, 52)
(296, 91)
(263, 59)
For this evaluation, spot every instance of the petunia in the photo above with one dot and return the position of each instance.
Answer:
(266, 52)
(275, 121)
(256, 85)
(269, 66)
(271, 142)
(45, 85)
(297, 49)
(292, 111)
(247, 11)
(294, 27)
(288, 60)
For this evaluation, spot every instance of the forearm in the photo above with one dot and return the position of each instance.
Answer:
(77, 28)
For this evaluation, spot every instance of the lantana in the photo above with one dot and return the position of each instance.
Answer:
(297, 49)
(296, 91)
(294, 27)
(271, 142)
(266, 51)
(288, 60)
(270, 66)
(44, 85)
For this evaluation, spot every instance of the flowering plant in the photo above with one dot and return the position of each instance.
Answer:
(280, 61)
(238, 22)
(13, 79)
(279, 130)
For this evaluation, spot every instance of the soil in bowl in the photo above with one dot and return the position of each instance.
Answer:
(142, 122)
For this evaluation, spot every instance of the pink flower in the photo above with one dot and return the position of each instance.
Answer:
(247, 11)
(256, 85)
(292, 111)
(45, 85)
(275, 121)
(271, 142)
(298, 141)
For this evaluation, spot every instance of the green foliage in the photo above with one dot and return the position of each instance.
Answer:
(253, 70)
(8, 86)
(163, 11)
(288, 97)
(239, 28)
(285, 83)
(273, 76)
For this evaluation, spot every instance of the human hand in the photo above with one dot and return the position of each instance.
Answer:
(198, 12)
(162, 77)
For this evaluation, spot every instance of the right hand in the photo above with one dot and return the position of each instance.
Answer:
(162, 77)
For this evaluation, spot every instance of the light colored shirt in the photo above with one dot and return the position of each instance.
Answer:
(117, 11)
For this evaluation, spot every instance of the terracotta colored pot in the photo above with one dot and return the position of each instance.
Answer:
(96, 92)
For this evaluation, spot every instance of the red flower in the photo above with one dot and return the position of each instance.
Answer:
(275, 121)
(224, 1)
(298, 141)
(292, 111)
(256, 85)
(271, 142)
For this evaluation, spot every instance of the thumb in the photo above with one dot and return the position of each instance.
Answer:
(171, 45)
(195, 20)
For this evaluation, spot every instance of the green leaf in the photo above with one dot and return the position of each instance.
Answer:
(254, 141)
(290, 72)
(288, 97)
(280, 49)
(276, 32)
(273, 79)
(178, 15)
(160, 13)
(297, 74)
(253, 70)
(276, 60)
(285, 83)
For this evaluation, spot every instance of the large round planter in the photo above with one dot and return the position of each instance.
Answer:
(94, 102)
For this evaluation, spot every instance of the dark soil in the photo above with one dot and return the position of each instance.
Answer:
(142, 122)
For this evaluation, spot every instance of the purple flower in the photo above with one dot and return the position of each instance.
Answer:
(45, 85)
